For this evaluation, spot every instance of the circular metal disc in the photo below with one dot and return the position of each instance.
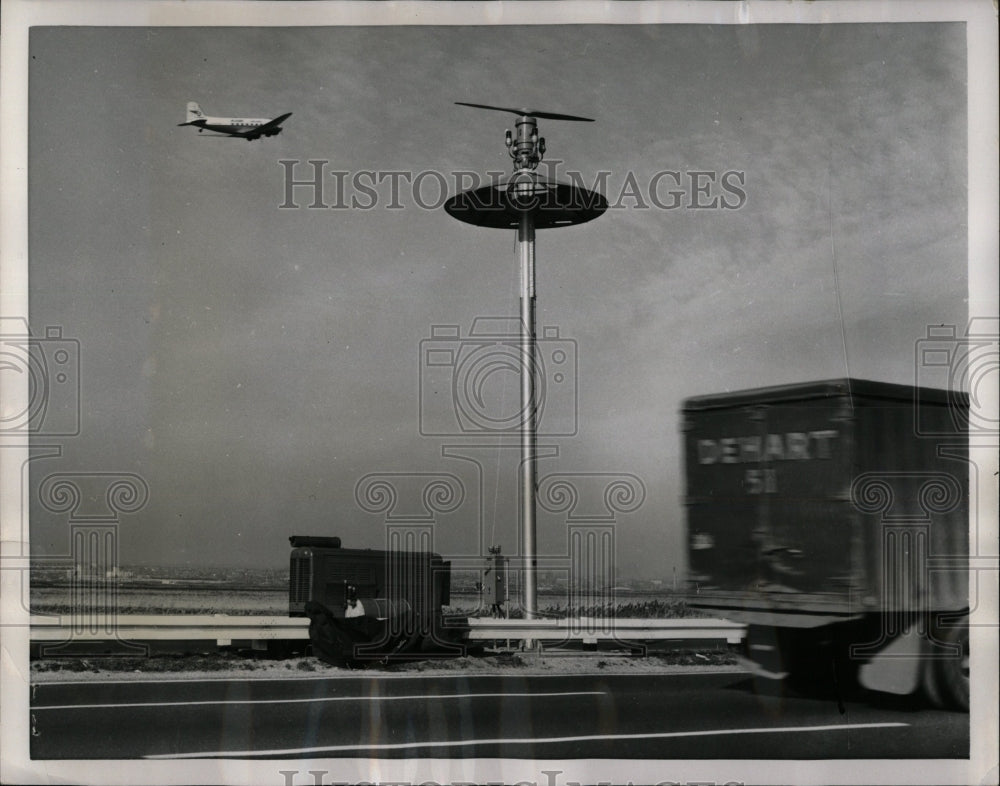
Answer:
(552, 204)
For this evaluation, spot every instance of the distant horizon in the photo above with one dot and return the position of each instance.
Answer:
(284, 568)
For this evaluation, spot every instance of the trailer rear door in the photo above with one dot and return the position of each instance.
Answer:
(767, 491)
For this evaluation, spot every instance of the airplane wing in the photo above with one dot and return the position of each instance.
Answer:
(268, 129)
(276, 122)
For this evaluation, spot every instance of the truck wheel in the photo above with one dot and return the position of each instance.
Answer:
(951, 674)
(327, 643)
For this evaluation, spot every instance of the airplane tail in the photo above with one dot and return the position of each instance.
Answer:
(194, 112)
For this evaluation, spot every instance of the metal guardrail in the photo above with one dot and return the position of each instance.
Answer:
(224, 629)
(591, 629)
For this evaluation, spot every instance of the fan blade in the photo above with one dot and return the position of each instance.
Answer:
(529, 112)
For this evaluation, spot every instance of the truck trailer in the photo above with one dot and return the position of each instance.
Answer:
(832, 518)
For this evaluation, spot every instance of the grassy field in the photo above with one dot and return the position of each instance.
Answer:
(648, 608)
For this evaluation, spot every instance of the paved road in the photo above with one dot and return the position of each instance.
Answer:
(673, 716)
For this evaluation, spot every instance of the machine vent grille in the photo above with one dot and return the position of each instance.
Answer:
(300, 579)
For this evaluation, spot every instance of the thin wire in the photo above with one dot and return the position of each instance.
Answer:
(836, 274)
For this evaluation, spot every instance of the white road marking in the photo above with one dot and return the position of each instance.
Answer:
(228, 702)
(528, 740)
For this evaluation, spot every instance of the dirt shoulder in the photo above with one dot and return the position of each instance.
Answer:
(235, 666)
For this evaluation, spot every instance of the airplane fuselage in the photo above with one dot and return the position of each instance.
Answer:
(225, 124)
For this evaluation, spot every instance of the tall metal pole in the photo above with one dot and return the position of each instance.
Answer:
(528, 202)
(526, 247)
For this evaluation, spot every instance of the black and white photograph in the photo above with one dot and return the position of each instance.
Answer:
(542, 393)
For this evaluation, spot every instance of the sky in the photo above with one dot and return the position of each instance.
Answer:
(262, 368)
